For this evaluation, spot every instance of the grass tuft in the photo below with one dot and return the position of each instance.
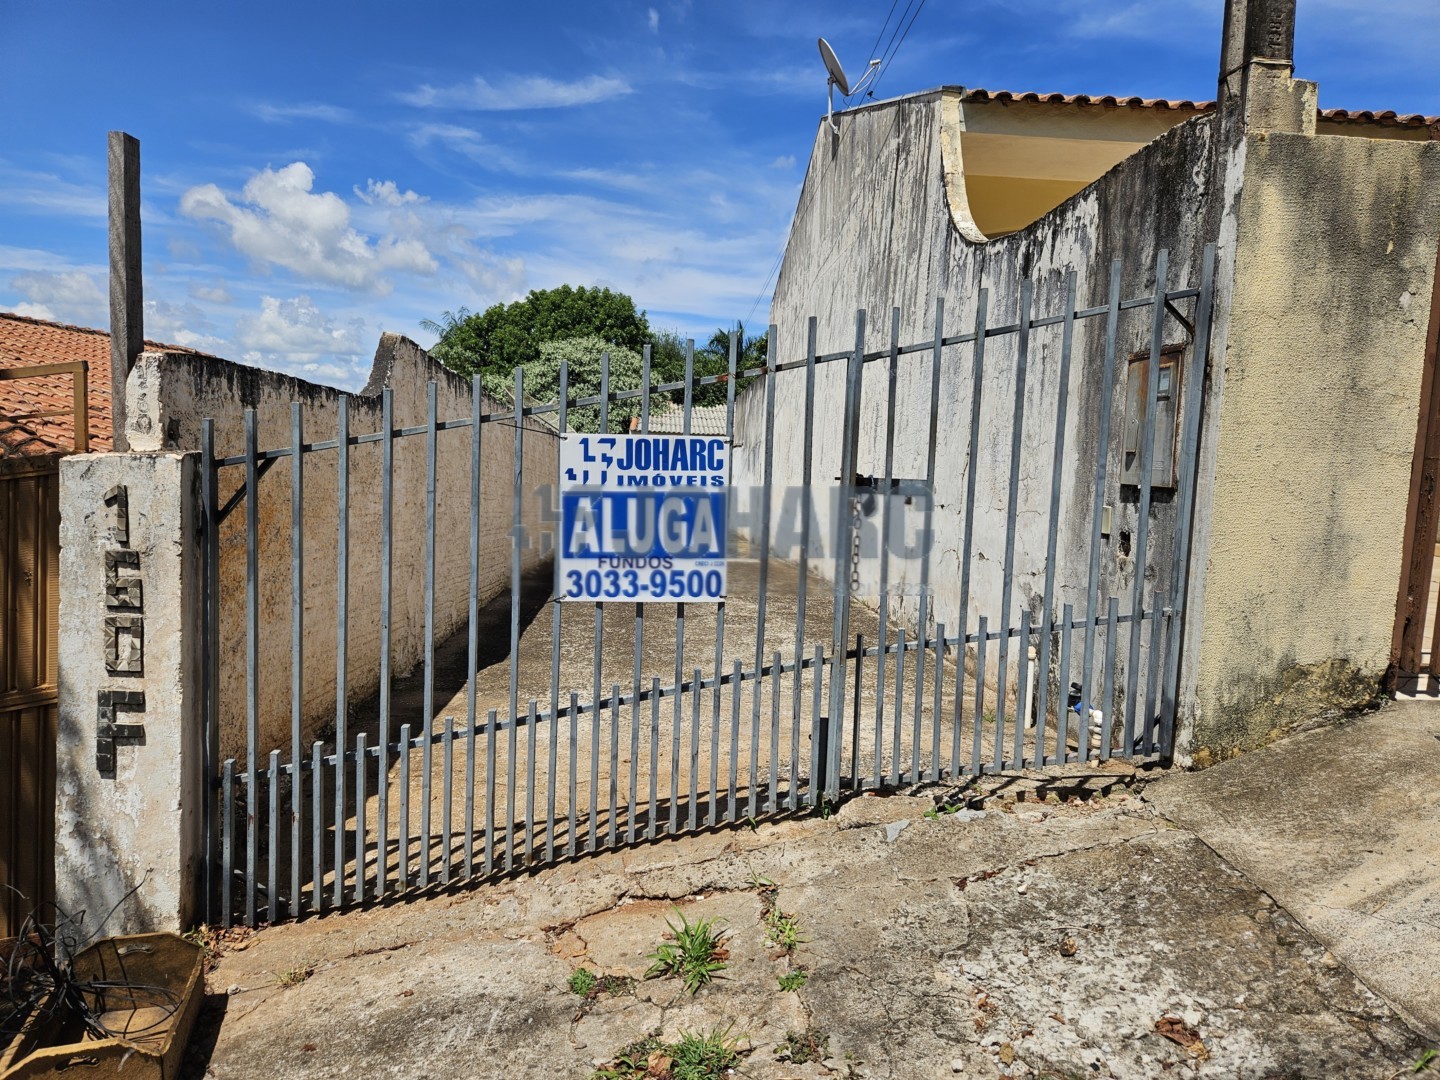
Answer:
(693, 1056)
(782, 930)
(693, 955)
(294, 976)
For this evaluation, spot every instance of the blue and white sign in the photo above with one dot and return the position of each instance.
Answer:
(642, 518)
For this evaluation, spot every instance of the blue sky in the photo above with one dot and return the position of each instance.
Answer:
(315, 173)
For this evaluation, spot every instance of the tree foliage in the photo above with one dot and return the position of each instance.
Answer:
(506, 336)
(578, 325)
(583, 357)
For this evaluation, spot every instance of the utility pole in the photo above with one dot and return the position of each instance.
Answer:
(127, 297)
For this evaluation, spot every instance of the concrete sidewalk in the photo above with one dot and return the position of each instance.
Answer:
(1084, 937)
(1342, 827)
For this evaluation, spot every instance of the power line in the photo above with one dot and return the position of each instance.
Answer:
(885, 56)
(884, 67)
(773, 268)
(881, 32)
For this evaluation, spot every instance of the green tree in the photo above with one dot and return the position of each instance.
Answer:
(507, 336)
(583, 355)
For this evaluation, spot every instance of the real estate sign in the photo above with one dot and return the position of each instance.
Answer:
(642, 518)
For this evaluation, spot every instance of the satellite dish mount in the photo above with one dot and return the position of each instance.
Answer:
(837, 78)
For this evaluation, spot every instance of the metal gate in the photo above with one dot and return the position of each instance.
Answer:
(843, 658)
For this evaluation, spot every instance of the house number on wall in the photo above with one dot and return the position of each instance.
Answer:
(124, 632)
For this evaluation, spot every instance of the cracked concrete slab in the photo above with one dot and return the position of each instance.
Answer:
(1342, 827)
(1078, 939)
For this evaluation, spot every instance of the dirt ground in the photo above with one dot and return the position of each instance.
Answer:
(1060, 928)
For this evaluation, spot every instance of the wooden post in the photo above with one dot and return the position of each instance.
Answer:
(127, 298)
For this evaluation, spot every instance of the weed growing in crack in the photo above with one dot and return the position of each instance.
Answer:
(782, 930)
(693, 1056)
(792, 981)
(693, 955)
(802, 1047)
(758, 882)
(588, 986)
(1428, 1059)
(293, 977)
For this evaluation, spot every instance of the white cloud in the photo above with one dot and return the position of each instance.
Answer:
(295, 335)
(310, 110)
(42, 193)
(521, 92)
(72, 296)
(218, 293)
(181, 324)
(784, 161)
(279, 220)
(654, 17)
(386, 193)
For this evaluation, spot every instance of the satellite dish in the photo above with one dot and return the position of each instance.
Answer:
(834, 67)
(838, 78)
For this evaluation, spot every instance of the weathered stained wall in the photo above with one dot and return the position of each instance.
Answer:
(1329, 244)
(882, 223)
(170, 395)
(1334, 265)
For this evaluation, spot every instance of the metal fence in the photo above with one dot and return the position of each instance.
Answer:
(611, 724)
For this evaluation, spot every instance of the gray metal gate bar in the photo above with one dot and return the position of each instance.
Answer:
(1107, 382)
(977, 387)
(892, 374)
(844, 534)
(297, 645)
(1057, 466)
(1185, 509)
(472, 603)
(1142, 521)
(252, 664)
(926, 540)
(428, 674)
(803, 574)
(1002, 670)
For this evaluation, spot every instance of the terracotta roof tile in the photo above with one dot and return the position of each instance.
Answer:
(25, 341)
(1362, 116)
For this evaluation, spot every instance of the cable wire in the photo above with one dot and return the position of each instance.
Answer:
(885, 66)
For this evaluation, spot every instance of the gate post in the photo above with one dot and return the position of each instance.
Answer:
(128, 756)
